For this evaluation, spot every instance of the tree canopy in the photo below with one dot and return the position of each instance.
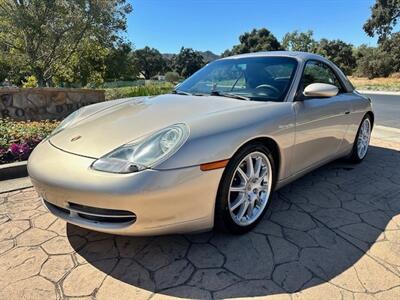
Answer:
(187, 61)
(339, 53)
(42, 37)
(120, 63)
(391, 47)
(299, 41)
(254, 41)
(373, 62)
(384, 17)
(80, 43)
(150, 62)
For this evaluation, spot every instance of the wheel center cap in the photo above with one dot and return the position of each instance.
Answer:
(252, 186)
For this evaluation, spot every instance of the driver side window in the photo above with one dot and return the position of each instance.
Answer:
(318, 72)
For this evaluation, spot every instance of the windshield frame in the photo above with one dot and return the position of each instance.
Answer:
(285, 92)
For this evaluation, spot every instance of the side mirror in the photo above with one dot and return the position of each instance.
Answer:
(320, 90)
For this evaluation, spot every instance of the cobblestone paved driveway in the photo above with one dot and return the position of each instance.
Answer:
(334, 234)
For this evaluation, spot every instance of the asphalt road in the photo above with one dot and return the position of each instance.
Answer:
(386, 108)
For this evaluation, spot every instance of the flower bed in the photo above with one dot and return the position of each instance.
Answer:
(17, 139)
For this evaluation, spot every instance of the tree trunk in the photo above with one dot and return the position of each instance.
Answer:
(39, 74)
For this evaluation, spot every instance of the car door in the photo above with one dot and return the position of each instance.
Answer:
(321, 123)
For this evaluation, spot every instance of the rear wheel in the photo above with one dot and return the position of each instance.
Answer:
(361, 143)
(245, 190)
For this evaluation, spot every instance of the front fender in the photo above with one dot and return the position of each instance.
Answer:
(218, 136)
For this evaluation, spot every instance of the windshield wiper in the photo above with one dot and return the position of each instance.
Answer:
(229, 95)
(178, 92)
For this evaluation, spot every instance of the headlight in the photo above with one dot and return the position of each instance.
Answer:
(144, 154)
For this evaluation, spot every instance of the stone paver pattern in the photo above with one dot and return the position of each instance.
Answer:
(333, 234)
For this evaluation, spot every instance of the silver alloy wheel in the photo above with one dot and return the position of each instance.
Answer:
(250, 188)
(363, 138)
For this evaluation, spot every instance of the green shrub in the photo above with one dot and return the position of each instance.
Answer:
(30, 82)
(122, 83)
(373, 62)
(136, 91)
(172, 77)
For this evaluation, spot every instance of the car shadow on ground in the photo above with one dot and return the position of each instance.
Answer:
(317, 228)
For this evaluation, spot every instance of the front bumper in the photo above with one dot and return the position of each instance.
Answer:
(161, 202)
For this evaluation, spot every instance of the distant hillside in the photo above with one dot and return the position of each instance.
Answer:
(168, 55)
(207, 56)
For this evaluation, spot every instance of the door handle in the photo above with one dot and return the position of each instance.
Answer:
(346, 112)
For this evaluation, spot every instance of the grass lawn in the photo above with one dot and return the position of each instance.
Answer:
(376, 84)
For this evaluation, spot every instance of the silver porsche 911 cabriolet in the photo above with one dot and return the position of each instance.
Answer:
(209, 154)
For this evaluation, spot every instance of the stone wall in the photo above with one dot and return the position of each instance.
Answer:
(44, 103)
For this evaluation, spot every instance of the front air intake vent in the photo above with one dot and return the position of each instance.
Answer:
(93, 214)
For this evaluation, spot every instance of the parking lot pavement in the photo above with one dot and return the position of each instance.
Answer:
(334, 234)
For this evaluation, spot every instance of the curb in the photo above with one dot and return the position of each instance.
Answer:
(388, 129)
(383, 93)
(387, 134)
(13, 170)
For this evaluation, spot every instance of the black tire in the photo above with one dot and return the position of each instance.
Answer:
(354, 155)
(223, 218)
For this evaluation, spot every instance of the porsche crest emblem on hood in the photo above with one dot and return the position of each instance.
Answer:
(75, 138)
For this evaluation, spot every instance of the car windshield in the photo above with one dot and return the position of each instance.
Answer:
(251, 78)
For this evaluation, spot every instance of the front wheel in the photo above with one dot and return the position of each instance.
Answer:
(245, 190)
(361, 143)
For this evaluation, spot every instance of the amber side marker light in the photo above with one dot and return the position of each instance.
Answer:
(214, 165)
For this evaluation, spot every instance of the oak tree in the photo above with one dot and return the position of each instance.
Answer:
(43, 36)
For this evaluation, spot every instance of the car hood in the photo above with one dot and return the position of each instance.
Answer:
(124, 121)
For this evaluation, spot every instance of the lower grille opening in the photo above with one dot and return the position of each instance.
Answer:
(98, 211)
(66, 211)
(107, 219)
(95, 214)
